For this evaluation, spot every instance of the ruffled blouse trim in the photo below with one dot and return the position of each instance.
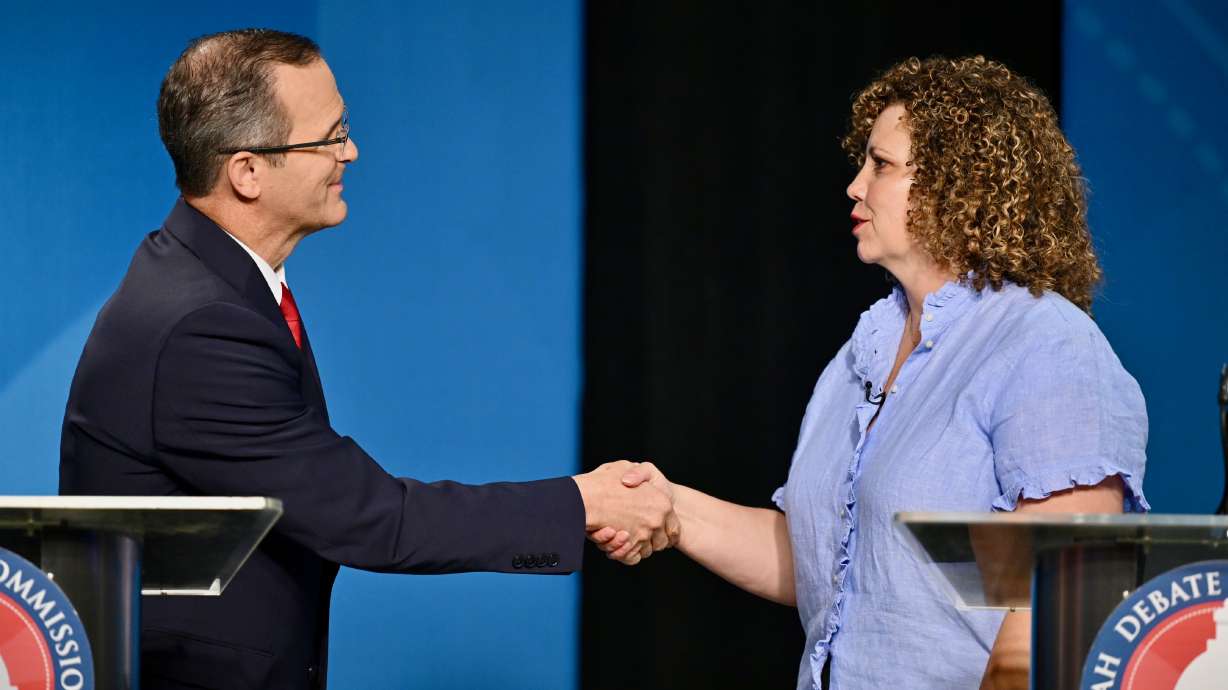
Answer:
(1089, 475)
(885, 318)
(874, 321)
(778, 497)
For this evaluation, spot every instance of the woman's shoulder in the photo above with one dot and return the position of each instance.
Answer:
(1047, 316)
(1027, 324)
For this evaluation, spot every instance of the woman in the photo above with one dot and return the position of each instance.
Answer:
(979, 384)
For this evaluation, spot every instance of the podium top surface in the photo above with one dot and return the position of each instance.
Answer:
(191, 545)
(986, 560)
(1096, 522)
(137, 502)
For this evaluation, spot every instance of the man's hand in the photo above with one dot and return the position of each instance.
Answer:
(621, 509)
(617, 544)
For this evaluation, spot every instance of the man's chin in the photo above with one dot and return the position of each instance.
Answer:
(336, 214)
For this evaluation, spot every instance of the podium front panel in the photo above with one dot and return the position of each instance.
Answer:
(190, 545)
(986, 560)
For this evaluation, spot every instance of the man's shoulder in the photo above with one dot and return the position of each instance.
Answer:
(164, 282)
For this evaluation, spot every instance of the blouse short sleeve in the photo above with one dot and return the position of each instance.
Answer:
(1068, 415)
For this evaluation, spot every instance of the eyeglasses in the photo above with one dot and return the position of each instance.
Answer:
(344, 137)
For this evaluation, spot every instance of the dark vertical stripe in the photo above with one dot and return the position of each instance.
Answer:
(720, 277)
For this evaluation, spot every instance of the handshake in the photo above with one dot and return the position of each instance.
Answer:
(629, 510)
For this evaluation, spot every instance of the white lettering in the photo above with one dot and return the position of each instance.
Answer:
(1106, 665)
(1192, 581)
(60, 632)
(43, 609)
(19, 586)
(1178, 594)
(67, 648)
(71, 679)
(1213, 587)
(1128, 627)
(1158, 600)
(4, 570)
(1143, 612)
(59, 616)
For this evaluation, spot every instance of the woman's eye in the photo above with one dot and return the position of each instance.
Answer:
(879, 163)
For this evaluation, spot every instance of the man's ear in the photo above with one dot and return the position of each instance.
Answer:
(245, 171)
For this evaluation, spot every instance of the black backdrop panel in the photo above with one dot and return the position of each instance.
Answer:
(721, 277)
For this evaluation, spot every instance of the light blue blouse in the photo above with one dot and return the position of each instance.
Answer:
(1007, 396)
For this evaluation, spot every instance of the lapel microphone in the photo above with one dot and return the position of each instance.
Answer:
(877, 399)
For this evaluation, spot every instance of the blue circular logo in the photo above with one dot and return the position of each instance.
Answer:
(1170, 634)
(42, 642)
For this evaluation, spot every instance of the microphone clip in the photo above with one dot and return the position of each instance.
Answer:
(874, 399)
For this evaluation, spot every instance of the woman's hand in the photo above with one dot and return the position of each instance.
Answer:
(618, 544)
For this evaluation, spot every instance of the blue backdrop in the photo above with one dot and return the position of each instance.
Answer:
(1144, 100)
(444, 312)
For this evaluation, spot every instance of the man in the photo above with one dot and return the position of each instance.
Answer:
(198, 378)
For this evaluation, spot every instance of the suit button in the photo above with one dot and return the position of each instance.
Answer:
(311, 672)
(554, 560)
(517, 561)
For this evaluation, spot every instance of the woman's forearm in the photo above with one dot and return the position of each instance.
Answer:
(749, 547)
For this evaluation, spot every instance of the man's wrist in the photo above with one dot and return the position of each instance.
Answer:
(587, 501)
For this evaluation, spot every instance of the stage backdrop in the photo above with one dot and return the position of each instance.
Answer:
(1146, 87)
(444, 312)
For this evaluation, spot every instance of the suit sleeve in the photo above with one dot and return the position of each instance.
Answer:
(229, 418)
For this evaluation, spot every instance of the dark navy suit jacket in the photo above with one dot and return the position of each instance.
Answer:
(191, 384)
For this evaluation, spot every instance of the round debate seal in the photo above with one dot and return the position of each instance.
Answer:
(42, 642)
(1170, 634)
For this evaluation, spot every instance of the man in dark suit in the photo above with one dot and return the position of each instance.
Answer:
(198, 379)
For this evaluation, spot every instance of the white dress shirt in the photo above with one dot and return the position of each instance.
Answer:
(274, 277)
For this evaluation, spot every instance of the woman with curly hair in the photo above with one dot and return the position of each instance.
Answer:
(979, 384)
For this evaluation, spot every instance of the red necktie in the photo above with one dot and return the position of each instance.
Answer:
(289, 310)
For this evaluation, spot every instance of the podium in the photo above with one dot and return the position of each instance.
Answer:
(1072, 571)
(105, 552)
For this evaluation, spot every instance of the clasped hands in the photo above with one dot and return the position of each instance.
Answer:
(629, 510)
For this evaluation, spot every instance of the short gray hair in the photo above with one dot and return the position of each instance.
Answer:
(219, 95)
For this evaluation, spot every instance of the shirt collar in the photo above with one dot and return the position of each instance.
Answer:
(878, 330)
(274, 277)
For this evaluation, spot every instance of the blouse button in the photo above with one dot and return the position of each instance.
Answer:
(929, 317)
(929, 344)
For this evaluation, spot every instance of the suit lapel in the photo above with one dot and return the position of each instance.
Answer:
(225, 257)
(210, 243)
(313, 390)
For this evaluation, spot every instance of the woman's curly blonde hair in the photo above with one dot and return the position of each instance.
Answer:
(996, 187)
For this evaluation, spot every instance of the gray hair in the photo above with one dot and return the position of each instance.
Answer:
(220, 95)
